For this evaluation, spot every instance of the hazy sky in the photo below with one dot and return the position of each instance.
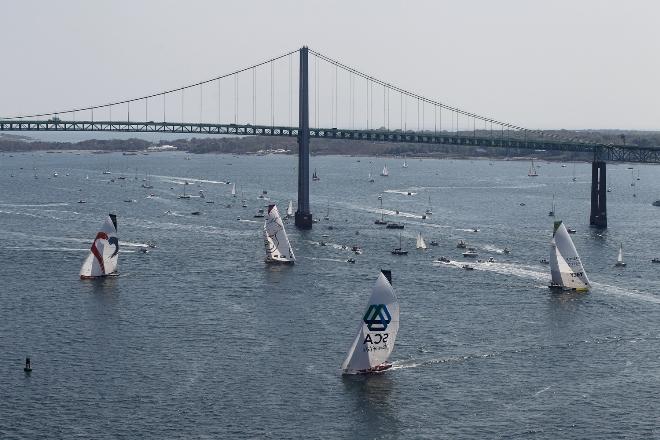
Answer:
(539, 64)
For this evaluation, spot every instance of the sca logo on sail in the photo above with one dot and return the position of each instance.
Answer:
(377, 319)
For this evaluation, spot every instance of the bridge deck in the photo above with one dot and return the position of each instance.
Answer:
(627, 153)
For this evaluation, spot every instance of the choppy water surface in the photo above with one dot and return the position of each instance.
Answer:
(198, 338)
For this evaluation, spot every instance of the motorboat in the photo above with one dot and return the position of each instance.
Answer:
(461, 244)
(471, 253)
(395, 226)
(467, 267)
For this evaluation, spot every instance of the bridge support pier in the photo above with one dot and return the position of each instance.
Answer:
(303, 217)
(598, 217)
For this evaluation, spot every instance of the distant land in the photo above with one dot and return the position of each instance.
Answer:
(287, 145)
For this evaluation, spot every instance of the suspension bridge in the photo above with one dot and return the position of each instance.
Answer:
(339, 102)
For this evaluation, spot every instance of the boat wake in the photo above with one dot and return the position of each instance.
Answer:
(399, 191)
(625, 293)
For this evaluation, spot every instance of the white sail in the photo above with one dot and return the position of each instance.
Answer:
(289, 210)
(103, 255)
(278, 248)
(405, 164)
(385, 171)
(620, 257)
(421, 244)
(378, 329)
(565, 266)
(233, 190)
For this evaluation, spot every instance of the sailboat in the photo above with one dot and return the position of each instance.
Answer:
(278, 248)
(574, 177)
(532, 170)
(399, 250)
(421, 244)
(327, 215)
(233, 190)
(184, 195)
(619, 259)
(382, 215)
(147, 183)
(428, 210)
(315, 177)
(551, 213)
(385, 171)
(103, 255)
(289, 209)
(565, 266)
(371, 179)
(405, 164)
(379, 326)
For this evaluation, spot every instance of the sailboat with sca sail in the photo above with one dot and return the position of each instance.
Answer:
(379, 326)
(102, 258)
(566, 267)
(278, 248)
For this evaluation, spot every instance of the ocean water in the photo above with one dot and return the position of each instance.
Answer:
(200, 339)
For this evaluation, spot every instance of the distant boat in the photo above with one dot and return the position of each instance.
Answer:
(147, 183)
(655, 260)
(571, 230)
(656, 203)
(421, 244)
(428, 210)
(399, 250)
(574, 177)
(619, 259)
(385, 171)
(506, 250)
(382, 215)
(405, 164)
(315, 177)
(233, 190)
(566, 268)
(371, 179)
(394, 225)
(327, 215)
(278, 248)
(184, 195)
(102, 258)
(532, 170)
(471, 253)
(467, 267)
(551, 213)
(260, 213)
(461, 244)
(106, 172)
(289, 209)
(379, 325)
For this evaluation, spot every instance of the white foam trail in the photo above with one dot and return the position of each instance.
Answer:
(399, 191)
(182, 180)
(625, 293)
(16, 205)
(46, 249)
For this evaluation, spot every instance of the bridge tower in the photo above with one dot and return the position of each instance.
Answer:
(303, 215)
(598, 217)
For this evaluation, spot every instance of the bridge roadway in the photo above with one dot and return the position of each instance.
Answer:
(607, 152)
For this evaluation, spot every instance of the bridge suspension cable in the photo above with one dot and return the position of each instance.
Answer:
(163, 93)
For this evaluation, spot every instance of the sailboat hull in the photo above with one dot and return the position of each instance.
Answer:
(99, 277)
(373, 370)
(268, 260)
